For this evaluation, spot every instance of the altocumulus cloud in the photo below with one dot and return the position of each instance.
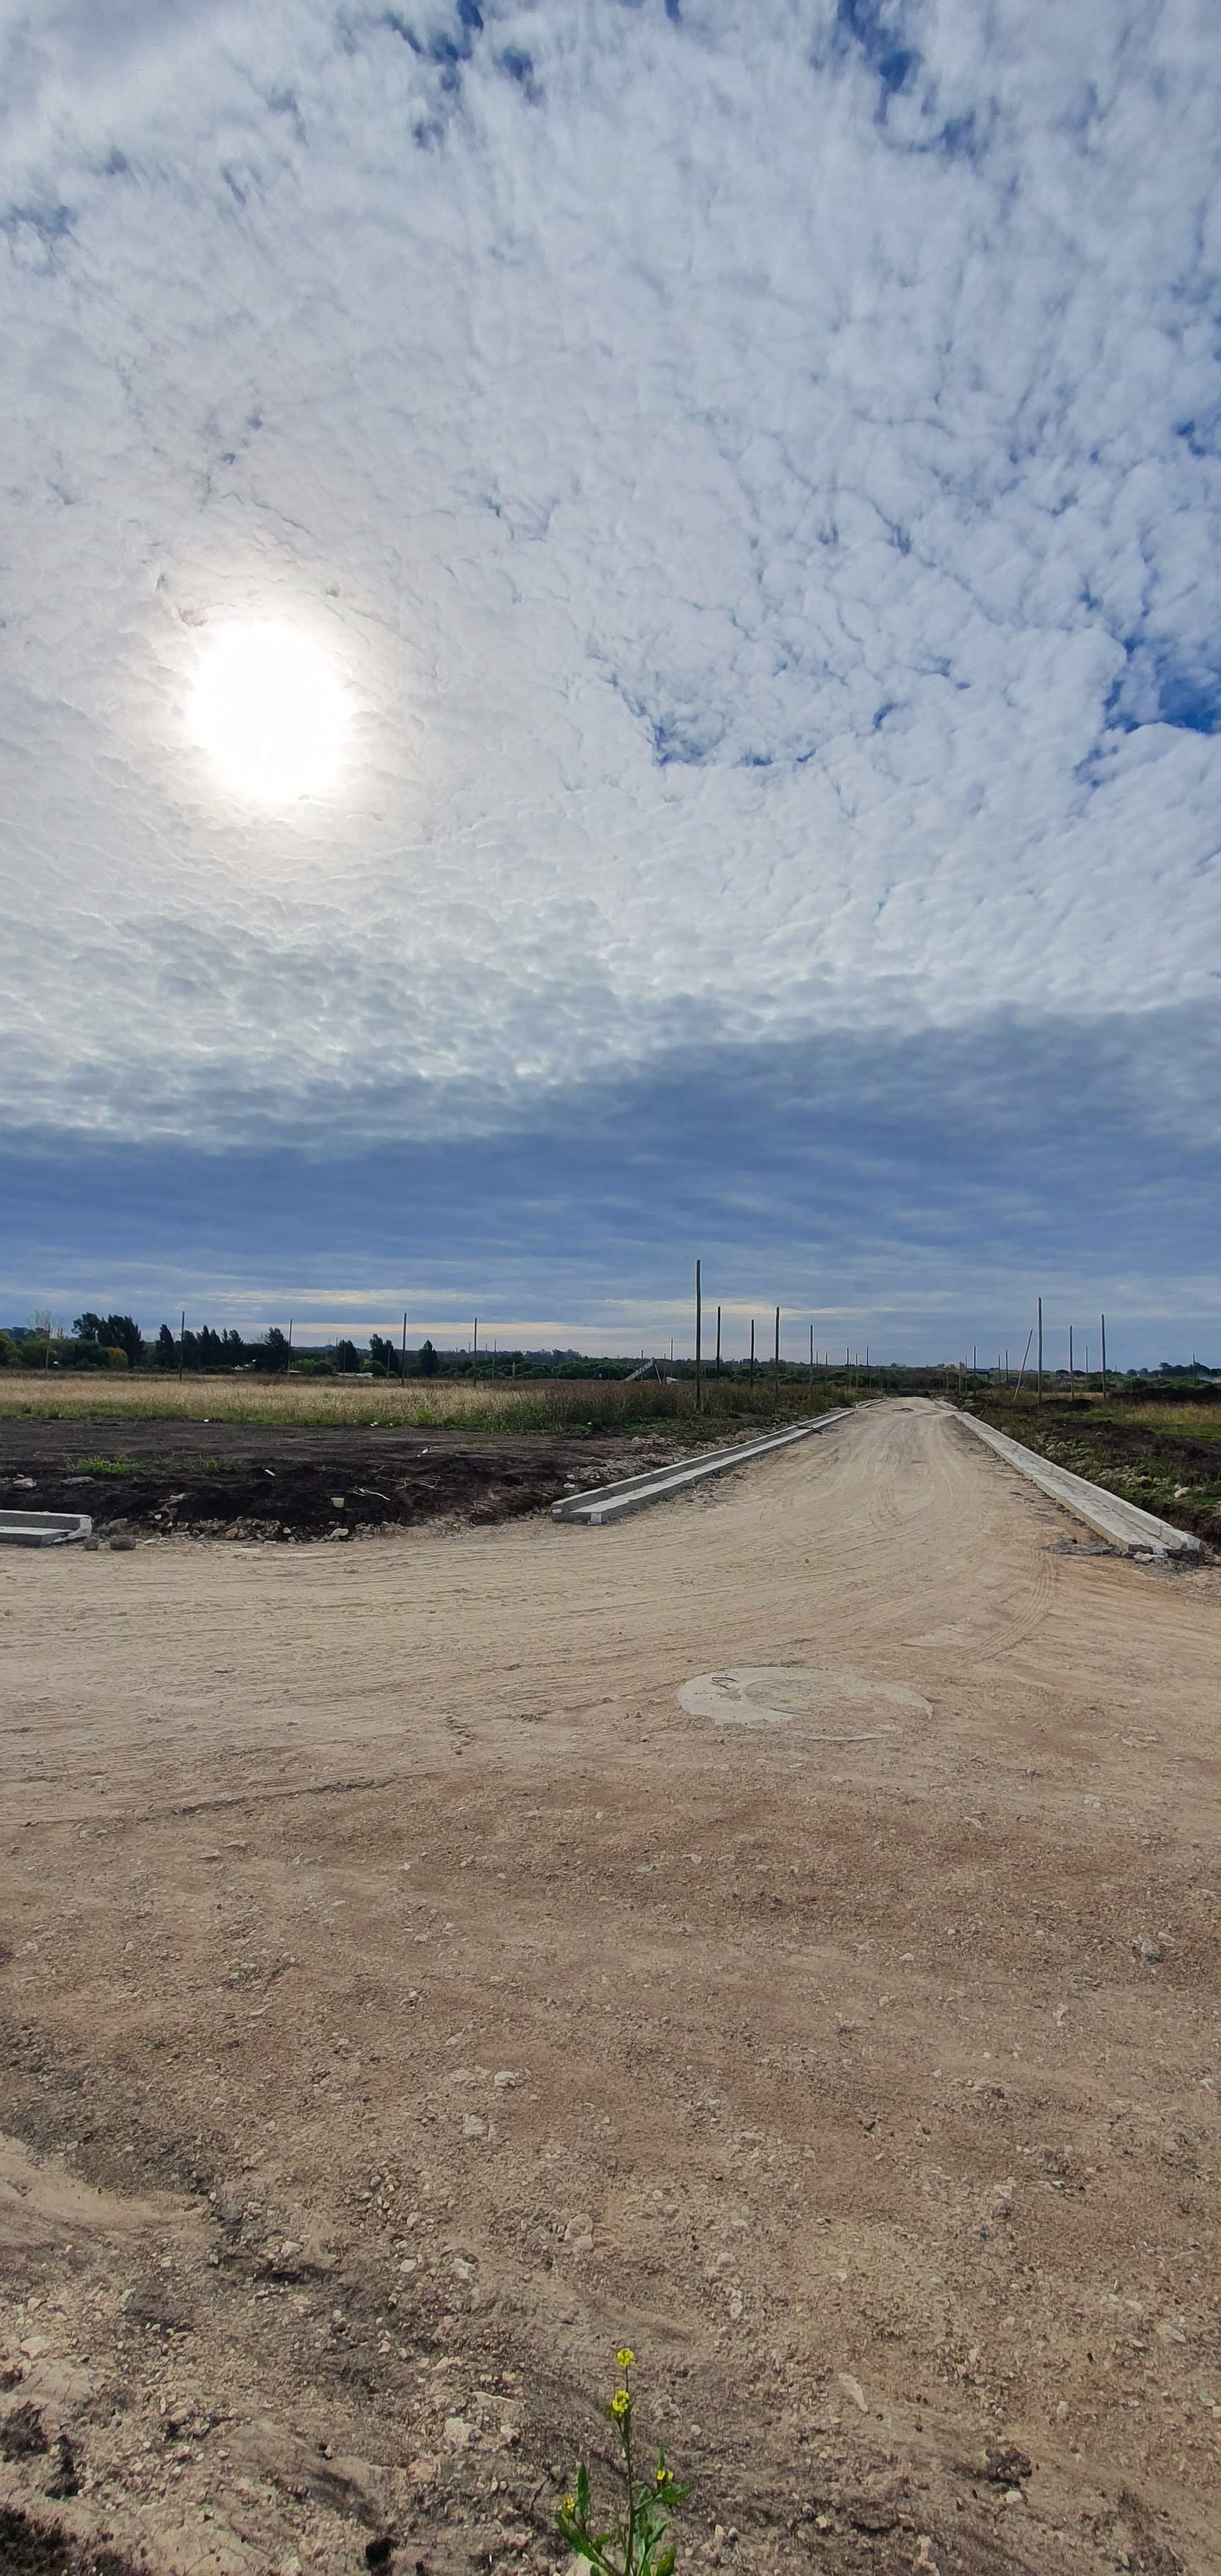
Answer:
(756, 469)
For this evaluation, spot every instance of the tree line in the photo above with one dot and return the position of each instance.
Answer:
(114, 1341)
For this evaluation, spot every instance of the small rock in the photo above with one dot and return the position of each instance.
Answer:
(472, 2127)
(1150, 1950)
(458, 2433)
(122, 1546)
(1006, 2466)
(852, 2388)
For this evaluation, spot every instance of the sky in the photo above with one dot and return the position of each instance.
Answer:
(746, 472)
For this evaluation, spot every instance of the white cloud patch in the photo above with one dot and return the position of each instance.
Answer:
(755, 473)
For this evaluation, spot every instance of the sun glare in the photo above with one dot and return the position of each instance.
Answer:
(270, 710)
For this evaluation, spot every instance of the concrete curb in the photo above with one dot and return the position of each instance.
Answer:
(1138, 1533)
(43, 1529)
(605, 1503)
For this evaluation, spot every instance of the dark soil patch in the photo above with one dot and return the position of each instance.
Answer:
(262, 1481)
(29, 2548)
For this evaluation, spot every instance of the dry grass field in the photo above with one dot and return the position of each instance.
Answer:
(546, 1405)
(779, 1933)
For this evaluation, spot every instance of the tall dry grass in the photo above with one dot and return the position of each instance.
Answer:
(567, 1405)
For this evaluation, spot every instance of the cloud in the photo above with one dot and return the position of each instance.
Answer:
(915, 1193)
(757, 475)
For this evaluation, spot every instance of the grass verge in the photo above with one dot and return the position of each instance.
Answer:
(1168, 1460)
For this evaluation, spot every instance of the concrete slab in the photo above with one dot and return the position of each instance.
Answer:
(43, 1529)
(634, 1493)
(1138, 1533)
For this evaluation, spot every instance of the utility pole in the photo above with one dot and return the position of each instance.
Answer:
(776, 1397)
(1070, 1363)
(182, 1344)
(752, 1354)
(718, 1341)
(288, 1364)
(403, 1361)
(1040, 1394)
(699, 1328)
(811, 1355)
(475, 1355)
(1103, 1321)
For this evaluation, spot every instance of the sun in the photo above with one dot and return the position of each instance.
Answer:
(271, 711)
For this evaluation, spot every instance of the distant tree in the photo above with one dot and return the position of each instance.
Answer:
(273, 1352)
(166, 1352)
(428, 1360)
(347, 1358)
(383, 1358)
(114, 1332)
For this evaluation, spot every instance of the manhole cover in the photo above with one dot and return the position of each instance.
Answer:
(795, 1695)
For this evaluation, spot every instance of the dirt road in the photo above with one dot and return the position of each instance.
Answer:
(409, 1995)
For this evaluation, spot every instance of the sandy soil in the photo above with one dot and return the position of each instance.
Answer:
(408, 1995)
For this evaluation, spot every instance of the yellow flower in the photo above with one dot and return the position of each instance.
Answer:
(621, 2403)
(570, 2504)
(626, 2357)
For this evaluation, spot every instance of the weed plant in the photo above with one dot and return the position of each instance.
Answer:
(640, 2540)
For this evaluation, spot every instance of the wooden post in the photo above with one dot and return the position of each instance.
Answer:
(752, 1354)
(1102, 1319)
(699, 1342)
(1040, 1395)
